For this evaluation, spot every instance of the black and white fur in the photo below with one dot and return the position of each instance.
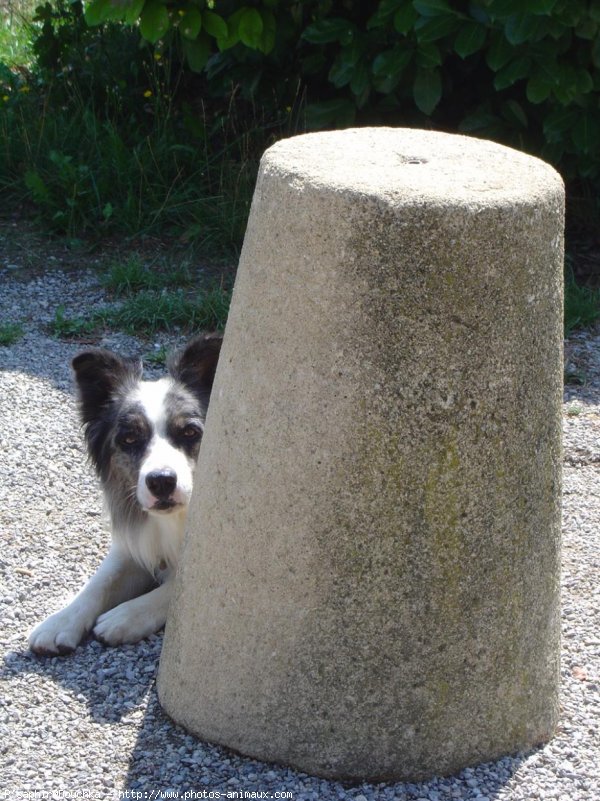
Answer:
(143, 439)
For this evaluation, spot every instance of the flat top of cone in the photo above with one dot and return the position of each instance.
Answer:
(406, 164)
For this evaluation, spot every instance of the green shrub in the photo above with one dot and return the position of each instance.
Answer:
(110, 134)
(15, 33)
(92, 136)
(523, 71)
(105, 67)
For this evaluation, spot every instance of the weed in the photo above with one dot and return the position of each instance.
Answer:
(100, 177)
(582, 304)
(150, 312)
(575, 377)
(131, 275)
(158, 357)
(10, 333)
(72, 327)
(103, 138)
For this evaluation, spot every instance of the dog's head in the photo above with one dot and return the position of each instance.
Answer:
(143, 437)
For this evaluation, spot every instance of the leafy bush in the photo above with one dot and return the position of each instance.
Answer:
(110, 133)
(104, 66)
(523, 71)
(93, 136)
(14, 32)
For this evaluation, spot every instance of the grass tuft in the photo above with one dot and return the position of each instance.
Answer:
(158, 357)
(149, 312)
(582, 305)
(10, 333)
(132, 275)
(71, 327)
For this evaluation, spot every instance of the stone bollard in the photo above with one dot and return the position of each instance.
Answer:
(369, 586)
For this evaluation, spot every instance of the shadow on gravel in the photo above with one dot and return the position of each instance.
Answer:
(165, 758)
(113, 682)
(49, 359)
(42, 358)
(118, 687)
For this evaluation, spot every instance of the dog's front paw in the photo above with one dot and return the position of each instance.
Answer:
(129, 622)
(61, 633)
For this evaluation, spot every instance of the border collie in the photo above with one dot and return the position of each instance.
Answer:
(143, 439)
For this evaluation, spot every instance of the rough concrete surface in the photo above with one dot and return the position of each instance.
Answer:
(369, 584)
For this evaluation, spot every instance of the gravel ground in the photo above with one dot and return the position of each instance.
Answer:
(90, 724)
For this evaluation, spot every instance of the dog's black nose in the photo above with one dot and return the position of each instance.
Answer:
(161, 483)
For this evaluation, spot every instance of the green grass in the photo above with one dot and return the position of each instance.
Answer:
(92, 177)
(71, 327)
(156, 357)
(10, 333)
(151, 298)
(149, 312)
(158, 297)
(132, 275)
(102, 140)
(582, 304)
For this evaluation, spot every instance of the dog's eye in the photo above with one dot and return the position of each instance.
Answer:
(128, 439)
(191, 432)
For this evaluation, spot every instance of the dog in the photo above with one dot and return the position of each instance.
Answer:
(143, 439)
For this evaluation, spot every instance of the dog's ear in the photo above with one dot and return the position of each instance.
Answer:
(195, 366)
(99, 373)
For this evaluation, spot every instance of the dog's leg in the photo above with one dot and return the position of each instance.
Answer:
(135, 619)
(117, 579)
